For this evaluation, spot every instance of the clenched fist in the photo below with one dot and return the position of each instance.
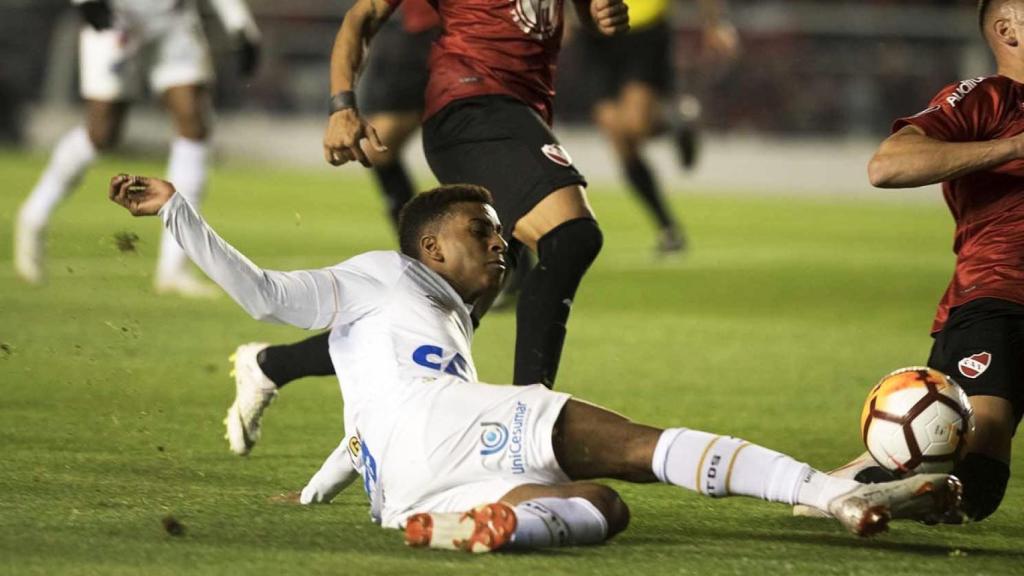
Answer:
(610, 17)
(140, 195)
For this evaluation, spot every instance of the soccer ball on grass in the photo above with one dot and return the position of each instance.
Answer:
(916, 420)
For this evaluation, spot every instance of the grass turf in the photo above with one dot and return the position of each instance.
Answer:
(772, 328)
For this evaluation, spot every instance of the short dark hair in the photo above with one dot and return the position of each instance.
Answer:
(983, 6)
(430, 207)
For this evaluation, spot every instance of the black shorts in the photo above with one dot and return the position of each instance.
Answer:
(643, 56)
(503, 145)
(395, 76)
(982, 347)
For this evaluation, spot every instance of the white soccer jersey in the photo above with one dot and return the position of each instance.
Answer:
(394, 321)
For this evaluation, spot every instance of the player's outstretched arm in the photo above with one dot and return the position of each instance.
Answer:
(346, 129)
(911, 158)
(606, 17)
(304, 298)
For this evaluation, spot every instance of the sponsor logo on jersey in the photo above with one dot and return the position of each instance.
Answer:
(974, 365)
(432, 357)
(557, 154)
(962, 89)
(493, 438)
(503, 446)
(540, 19)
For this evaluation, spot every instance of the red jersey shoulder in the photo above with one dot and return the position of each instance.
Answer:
(964, 110)
(975, 91)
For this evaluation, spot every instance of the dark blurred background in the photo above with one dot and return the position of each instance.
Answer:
(807, 67)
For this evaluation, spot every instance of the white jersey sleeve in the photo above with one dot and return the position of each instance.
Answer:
(312, 299)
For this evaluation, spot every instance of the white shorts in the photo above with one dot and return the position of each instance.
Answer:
(111, 61)
(460, 444)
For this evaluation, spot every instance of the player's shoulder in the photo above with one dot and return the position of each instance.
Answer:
(381, 265)
(980, 90)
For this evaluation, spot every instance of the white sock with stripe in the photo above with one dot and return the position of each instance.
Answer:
(546, 522)
(719, 466)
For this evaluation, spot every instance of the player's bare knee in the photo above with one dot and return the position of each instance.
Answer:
(193, 128)
(614, 508)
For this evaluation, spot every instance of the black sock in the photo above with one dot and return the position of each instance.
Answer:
(397, 187)
(564, 254)
(287, 362)
(642, 181)
(984, 481)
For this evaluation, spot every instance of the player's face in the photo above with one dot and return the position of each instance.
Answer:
(474, 250)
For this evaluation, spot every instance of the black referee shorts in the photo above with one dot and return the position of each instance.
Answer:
(982, 347)
(643, 56)
(503, 145)
(395, 76)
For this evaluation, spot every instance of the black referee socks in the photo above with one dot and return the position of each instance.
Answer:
(394, 182)
(564, 254)
(642, 181)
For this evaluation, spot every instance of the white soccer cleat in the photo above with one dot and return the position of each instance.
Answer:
(253, 393)
(28, 252)
(185, 284)
(867, 509)
(856, 469)
(483, 529)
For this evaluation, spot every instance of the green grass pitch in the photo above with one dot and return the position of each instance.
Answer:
(772, 328)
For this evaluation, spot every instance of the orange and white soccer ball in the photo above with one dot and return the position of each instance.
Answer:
(916, 419)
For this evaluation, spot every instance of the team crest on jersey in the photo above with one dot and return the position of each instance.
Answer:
(540, 19)
(974, 365)
(557, 154)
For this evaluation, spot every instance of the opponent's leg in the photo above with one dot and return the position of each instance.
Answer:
(592, 442)
(562, 230)
(186, 168)
(985, 469)
(394, 129)
(259, 371)
(72, 156)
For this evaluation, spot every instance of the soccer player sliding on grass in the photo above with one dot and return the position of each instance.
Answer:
(463, 464)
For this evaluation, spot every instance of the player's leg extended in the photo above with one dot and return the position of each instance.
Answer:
(187, 169)
(991, 329)
(528, 517)
(591, 442)
(566, 238)
(72, 156)
(394, 129)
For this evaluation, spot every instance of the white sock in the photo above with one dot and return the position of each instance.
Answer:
(71, 157)
(186, 169)
(336, 473)
(720, 466)
(544, 522)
